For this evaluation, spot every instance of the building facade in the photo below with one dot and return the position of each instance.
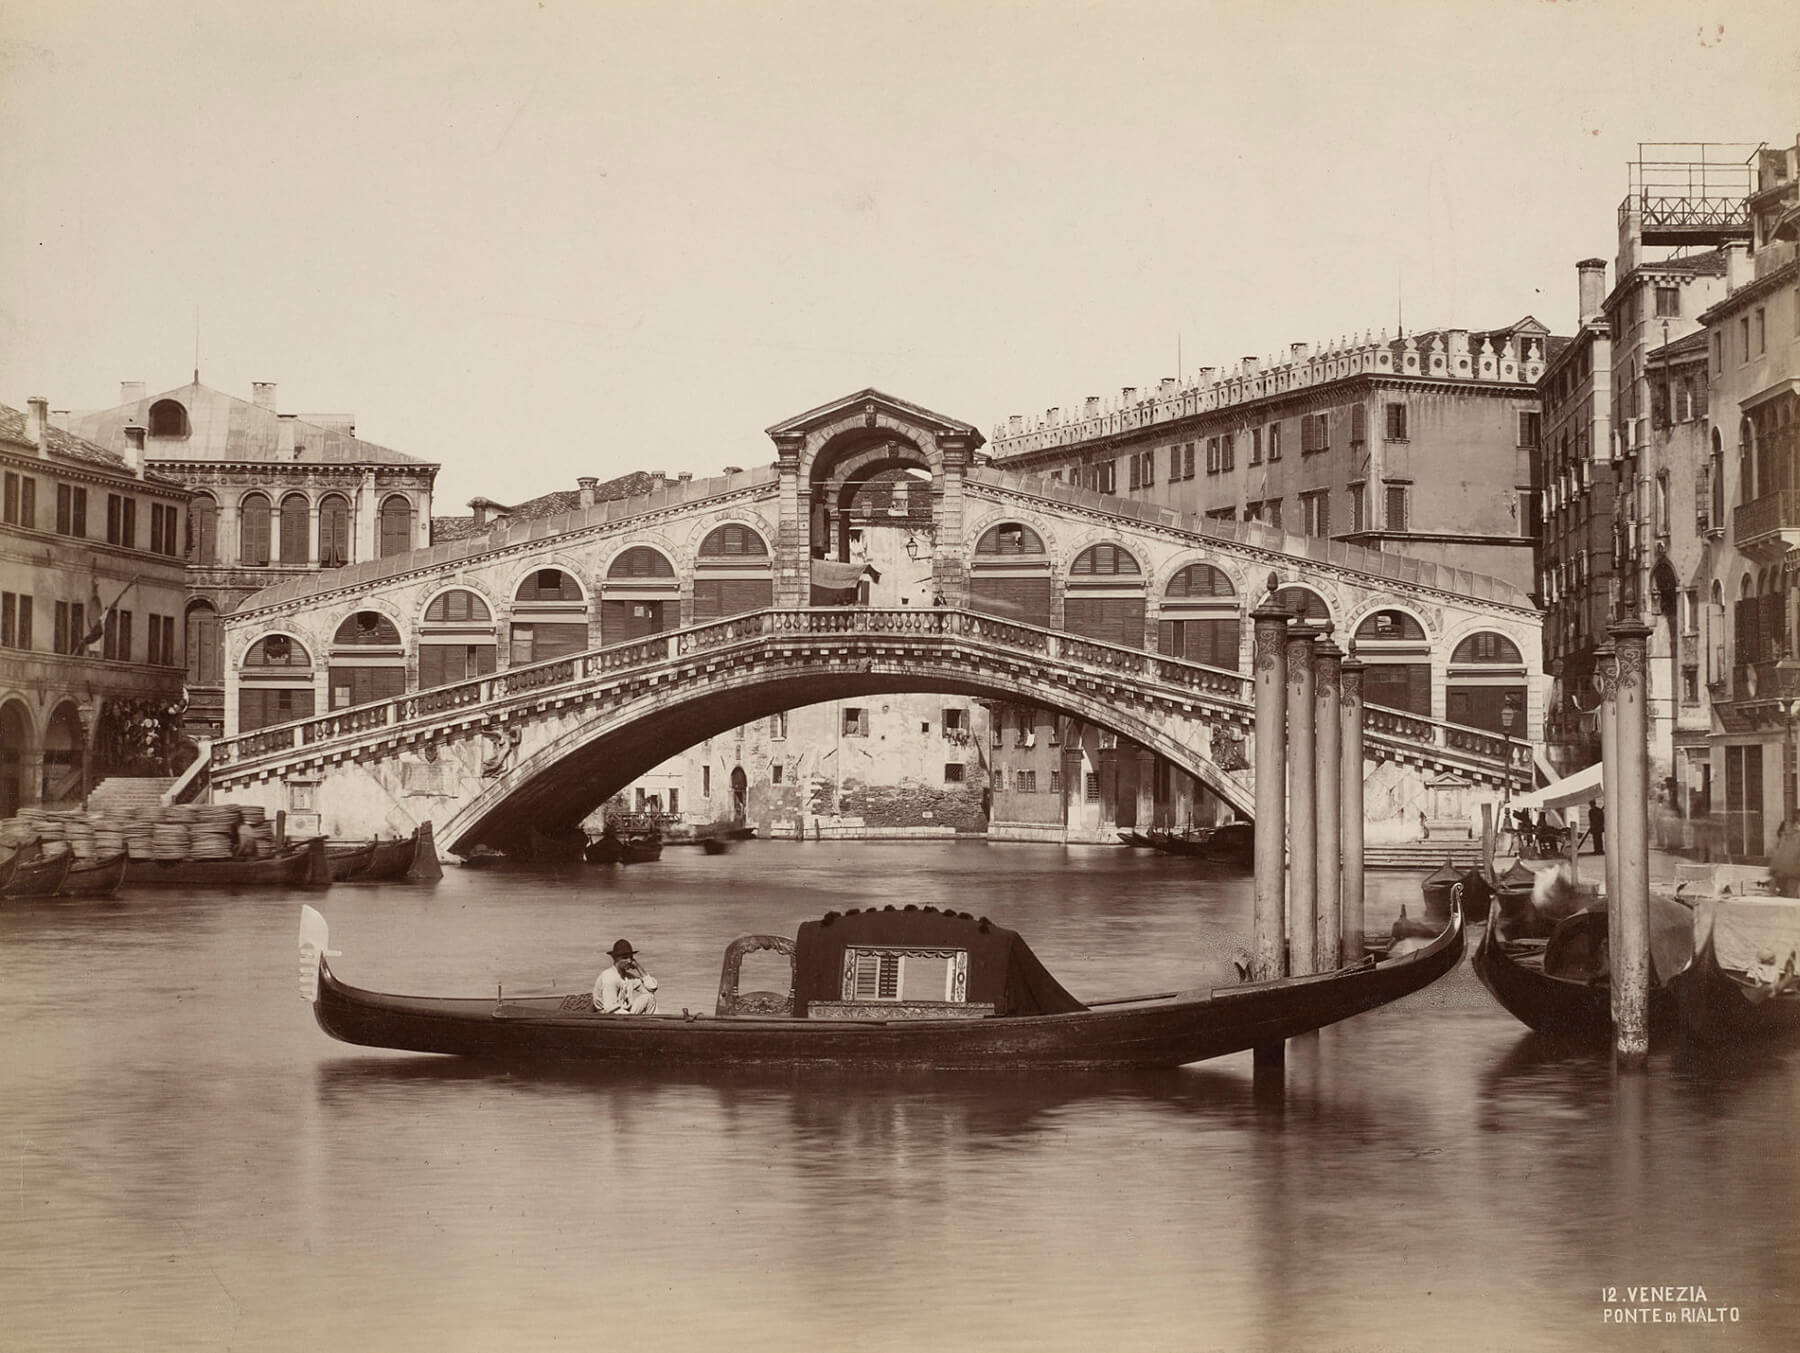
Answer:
(276, 496)
(92, 591)
(1753, 363)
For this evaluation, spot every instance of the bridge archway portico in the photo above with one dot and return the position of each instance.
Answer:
(735, 638)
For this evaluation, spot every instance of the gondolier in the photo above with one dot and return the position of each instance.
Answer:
(625, 988)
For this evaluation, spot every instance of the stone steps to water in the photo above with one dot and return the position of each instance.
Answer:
(128, 792)
(1422, 855)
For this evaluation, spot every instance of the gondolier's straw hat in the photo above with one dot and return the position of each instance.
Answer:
(622, 949)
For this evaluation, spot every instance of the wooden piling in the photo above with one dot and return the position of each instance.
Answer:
(1328, 841)
(1628, 828)
(1303, 805)
(1350, 805)
(1269, 940)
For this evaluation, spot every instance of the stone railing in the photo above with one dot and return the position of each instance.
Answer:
(1216, 686)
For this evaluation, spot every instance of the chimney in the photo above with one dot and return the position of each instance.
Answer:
(479, 507)
(284, 437)
(1250, 364)
(37, 424)
(733, 469)
(130, 392)
(1093, 407)
(588, 484)
(1299, 352)
(134, 448)
(1053, 416)
(684, 476)
(1166, 384)
(262, 394)
(1126, 394)
(1737, 265)
(1591, 281)
(1015, 423)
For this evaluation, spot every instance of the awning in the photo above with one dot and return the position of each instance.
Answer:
(1577, 788)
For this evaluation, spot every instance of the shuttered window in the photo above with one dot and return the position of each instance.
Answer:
(446, 664)
(258, 706)
(1026, 600)
(1399, 685)
(1213, 642)
(539, 642)
(253, 530)
(334, 531)
(396, 526)
(360, 685)
(623, 622)
(715, 598)
(1113, 620)
(295, 526)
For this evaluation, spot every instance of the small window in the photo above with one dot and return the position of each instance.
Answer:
(1359, 425)
(953, 772)
(1091, 787)
(1256, 445)
(1528, 429)
(1396, 422)
(1274, 441)
(1396, 507)
(1056, 782)
(856, 723)
(778, 726)
(1315, 433)
(168, 419)
(775, 772)
(956, 720)
(1759, 331)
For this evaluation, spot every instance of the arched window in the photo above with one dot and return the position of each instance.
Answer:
(1010, 575)
(732, 574)
(640, 561)
(274, 684)
(367, 662)
(456, 640)
(253, 529)
(549, 617)
(1199, 620)
(203, 531)
(1487, 647)
(168, 418)
(205, 646)
(1303, 602)
(1398, 654)
(1103, 561)
(334, 531)
(1105, 596)
(396, 526)
(1010, 538)
(641, 597)
(296, 526)
(732, 542)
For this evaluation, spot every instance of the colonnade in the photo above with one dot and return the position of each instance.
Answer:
(1309, 801)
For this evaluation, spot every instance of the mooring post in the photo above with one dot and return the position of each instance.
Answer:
(1605, 680)
(1269, 940)
(1303, 804)
(1327, 872)
(1628, 818)
(1350, 803)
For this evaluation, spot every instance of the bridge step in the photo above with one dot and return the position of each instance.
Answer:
(128, 792)
(1422, 855)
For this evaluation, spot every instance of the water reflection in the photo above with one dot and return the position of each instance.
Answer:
(198, 1166)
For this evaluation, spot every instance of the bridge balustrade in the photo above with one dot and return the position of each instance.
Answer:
(1218, 685)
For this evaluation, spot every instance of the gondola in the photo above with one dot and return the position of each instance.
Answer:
(94, 878)
(1136, 839)
(39, 876)
(1559, 986)
(298, 865)
(1720, 1006)
(896, 988)
(1438, 885)
(7, 866)
(611, 848)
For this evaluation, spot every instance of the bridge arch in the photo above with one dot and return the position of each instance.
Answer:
(561, 781)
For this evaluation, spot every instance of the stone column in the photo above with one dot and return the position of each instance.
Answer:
(1303, 803)
(1146, 790)
(1350, 803)
(1109, 793)
(1270, 673)
(1628, 838)
(1328, 775)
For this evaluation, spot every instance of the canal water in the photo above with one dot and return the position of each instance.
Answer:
(193, 1164)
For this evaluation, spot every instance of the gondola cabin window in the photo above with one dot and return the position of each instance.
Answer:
(906, 975)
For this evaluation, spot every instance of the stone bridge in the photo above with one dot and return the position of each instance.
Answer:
(518, 679)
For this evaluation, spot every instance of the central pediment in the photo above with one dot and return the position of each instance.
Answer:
(874, 407)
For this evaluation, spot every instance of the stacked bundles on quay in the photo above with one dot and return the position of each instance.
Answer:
(167, 833)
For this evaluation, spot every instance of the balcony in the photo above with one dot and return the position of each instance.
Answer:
(1767, 528)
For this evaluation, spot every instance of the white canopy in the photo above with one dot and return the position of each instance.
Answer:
(1577, 788)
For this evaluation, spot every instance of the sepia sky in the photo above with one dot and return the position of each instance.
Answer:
(533, 239)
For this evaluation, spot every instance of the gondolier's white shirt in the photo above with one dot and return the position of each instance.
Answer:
(616, 995)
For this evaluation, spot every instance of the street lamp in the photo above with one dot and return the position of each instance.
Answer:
(1509, 712)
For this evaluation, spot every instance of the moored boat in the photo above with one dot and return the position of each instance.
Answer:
(1750, 992)
(39, 876)
(912, 988)
(94, 878)
(298, 865)
(1560, 987)
(1438, 885)
(348, 861)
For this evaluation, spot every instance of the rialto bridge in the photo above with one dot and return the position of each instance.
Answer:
(518, 679)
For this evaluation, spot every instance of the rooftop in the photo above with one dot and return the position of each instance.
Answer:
(65, 445)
